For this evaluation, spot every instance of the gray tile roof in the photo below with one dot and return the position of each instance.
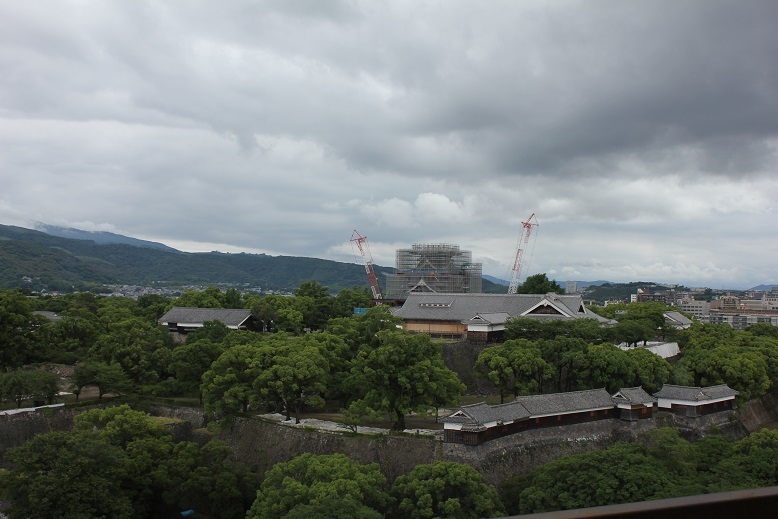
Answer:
(532, 406)
(633, 395)
(182, 314)
(462, 307)
(498, 318)
(51, 316)
(695, 394)
(555, 403)
(678, 318)
(482, 413)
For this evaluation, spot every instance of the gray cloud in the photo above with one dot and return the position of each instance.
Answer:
(642, 133)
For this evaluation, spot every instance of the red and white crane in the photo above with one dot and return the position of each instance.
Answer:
(526, 230)
(361, 243)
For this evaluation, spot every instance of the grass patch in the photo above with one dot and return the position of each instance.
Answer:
(164, 420)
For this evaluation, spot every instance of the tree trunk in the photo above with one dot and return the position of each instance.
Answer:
(399, 424)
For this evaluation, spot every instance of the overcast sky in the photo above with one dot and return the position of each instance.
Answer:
(642, 134)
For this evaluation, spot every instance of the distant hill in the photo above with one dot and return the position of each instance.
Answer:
(496, 280)
(37, 260)
(99, 237)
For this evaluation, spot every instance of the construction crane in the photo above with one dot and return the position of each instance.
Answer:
(526, 230)
(361, 243)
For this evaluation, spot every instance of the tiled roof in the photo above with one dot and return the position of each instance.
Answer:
(695, 394)
(498, 318)
(51, 316)
(633, 395)
(678, 317)
(483, 413)
(462, 307)
(531, 406)
(720, 391)
(228, 316)
(555, 403)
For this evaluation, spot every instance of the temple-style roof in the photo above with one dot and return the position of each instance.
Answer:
(531, 406)
(483, 413)
(462, 307)
(560, 403)
(695, 394)
(182, 315)
(633, 396)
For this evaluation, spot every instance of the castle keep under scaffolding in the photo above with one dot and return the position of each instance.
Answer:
(441, 267)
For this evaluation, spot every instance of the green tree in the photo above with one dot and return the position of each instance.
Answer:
(109, 378)
(232, 299)
(206, 479)
(309, 480)
(605, 365)
(153, 306)
(65, 475)
(211, 297)
(190, 361)
(16, 329)
(141, 348)
(228, 386)
(315, 303)
(444, 489)
(296, 374)
(621, 474)
(539, 284)
(215, 331)
(493, 365)
(633, 331)
(649, 369)
(350, 298)
(402, 374)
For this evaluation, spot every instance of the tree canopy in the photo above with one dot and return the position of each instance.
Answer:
(311, 483)
(444, 489)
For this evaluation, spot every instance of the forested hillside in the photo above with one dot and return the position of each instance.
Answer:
(36, 260)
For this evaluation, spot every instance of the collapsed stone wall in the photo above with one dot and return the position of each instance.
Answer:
(755, 413)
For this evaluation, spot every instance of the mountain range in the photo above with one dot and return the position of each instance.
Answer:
(65, 259)
(71, 259)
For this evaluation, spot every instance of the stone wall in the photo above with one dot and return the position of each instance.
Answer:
(503, 458)
(261, 444)
(15, 429)
(755, 413)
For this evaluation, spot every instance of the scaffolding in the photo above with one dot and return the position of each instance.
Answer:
(440, 268)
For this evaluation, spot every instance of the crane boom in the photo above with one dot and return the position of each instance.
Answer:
(361, 243)
(526, 230)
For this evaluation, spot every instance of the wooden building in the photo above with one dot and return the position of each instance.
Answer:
(695, 401)
(181, 320)
(634, 403)
(475, 424)
(482, 317)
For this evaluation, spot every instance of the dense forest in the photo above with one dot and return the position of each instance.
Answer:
(315, 353)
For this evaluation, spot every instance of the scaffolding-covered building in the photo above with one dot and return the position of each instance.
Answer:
(433, 268)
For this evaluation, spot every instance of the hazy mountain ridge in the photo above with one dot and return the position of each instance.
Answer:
(99, 237)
